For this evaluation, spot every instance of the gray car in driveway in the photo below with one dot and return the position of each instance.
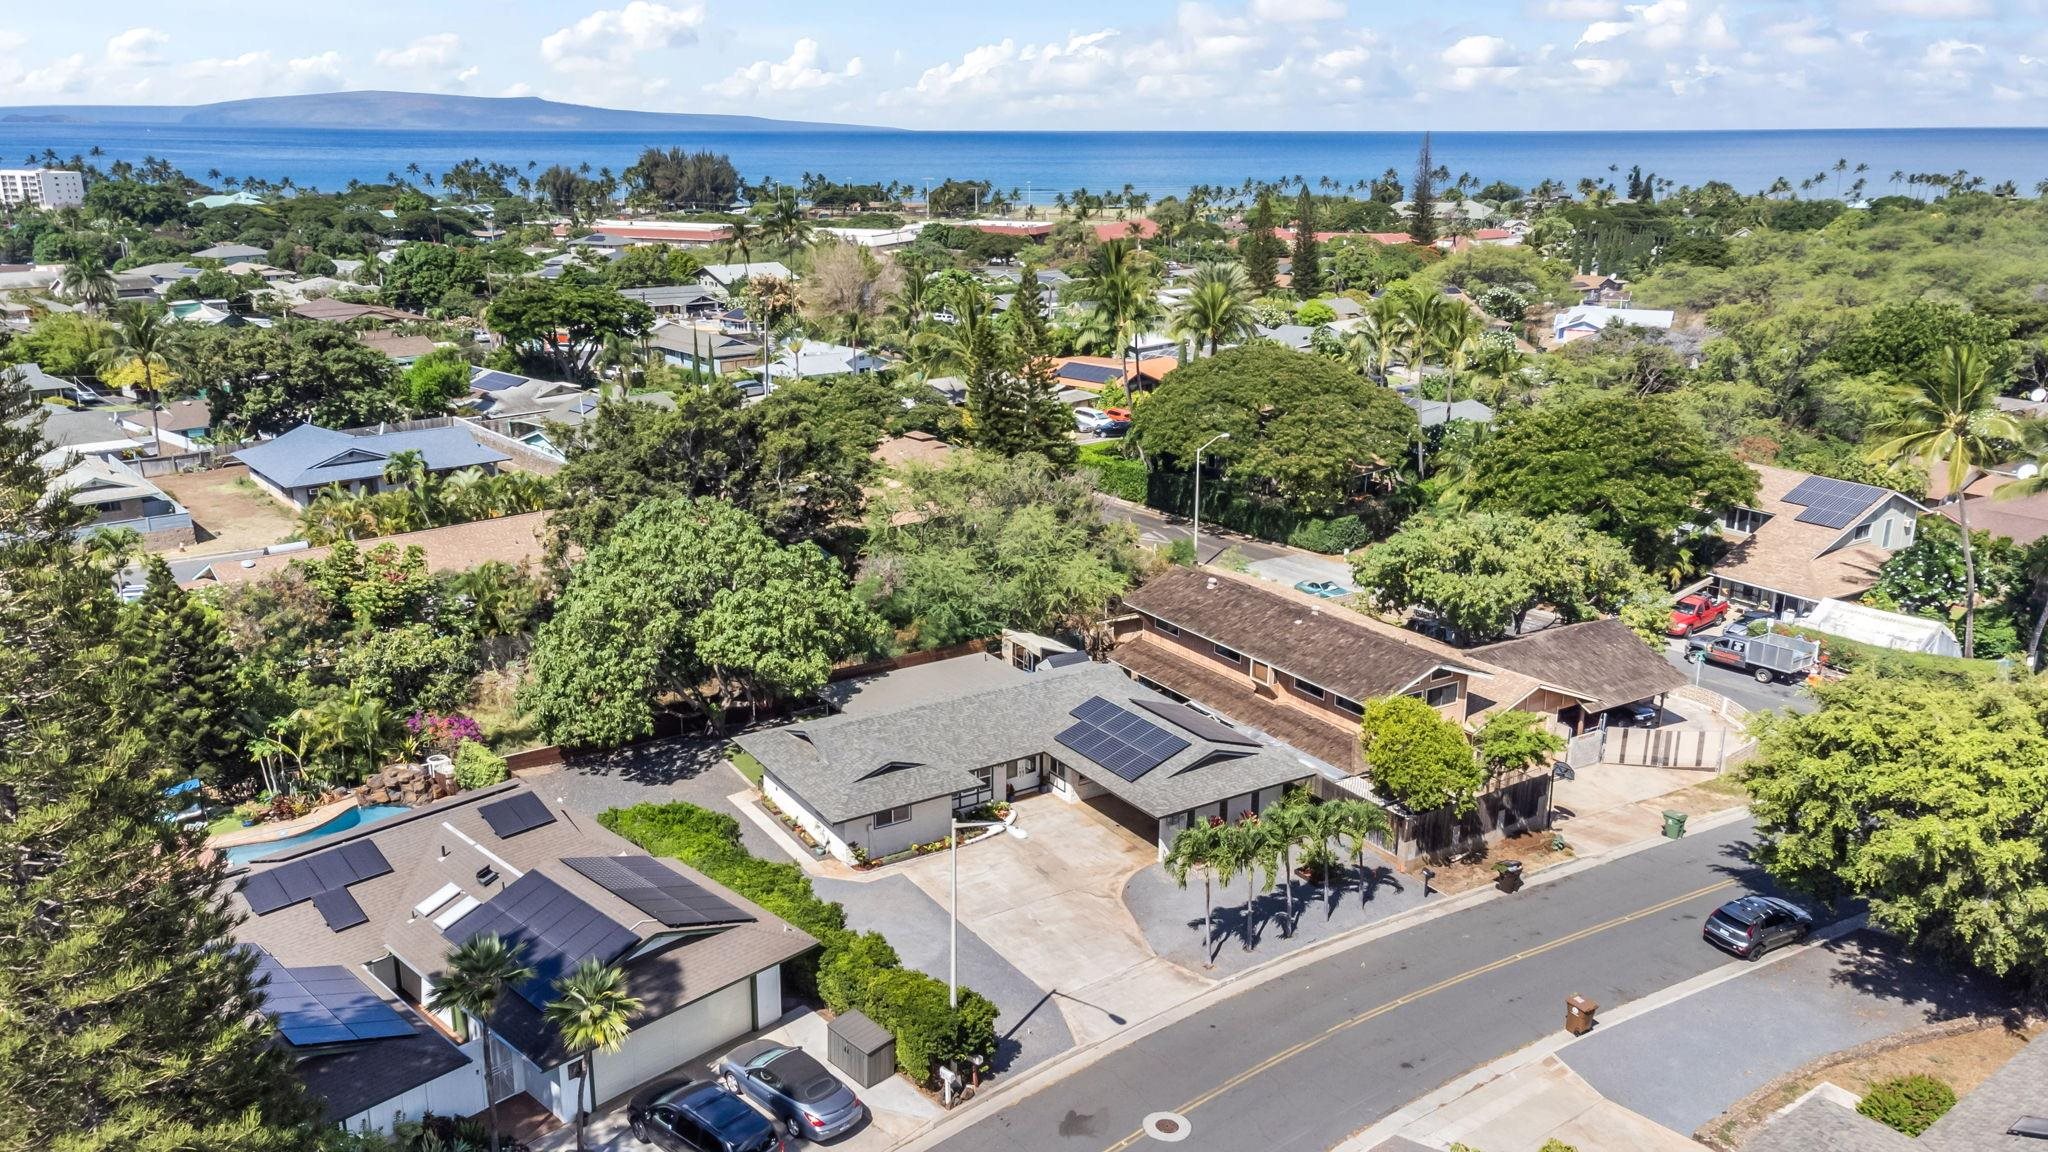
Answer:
(806, 1100)
(1749, 926)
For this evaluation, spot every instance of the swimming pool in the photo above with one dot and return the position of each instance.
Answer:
(354, 817)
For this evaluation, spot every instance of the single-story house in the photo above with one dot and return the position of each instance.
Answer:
(1584, 320)
(2006, 1112)
(230, 253)
(519, 540)
(1810, 538)
(119, 497)
(341, 311)
(819, 358)
(694, 345)
(401, 348)
(1895, 630)
(1094, 373)
(675, 233)
(1601, 290)
(298, 465)
(43, 387)
(692, 300)
(725, 277)
(183, 424)
(879, 239)
(1295, 336)
(1574, 673)
(1432, 413)
(522, 407)
(227, 200)
(70, 431)
(149, 280)
(1140, 229)
(212, 313)
(352, 935)
(912, 748)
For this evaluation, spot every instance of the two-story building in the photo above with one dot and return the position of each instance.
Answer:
(1810, 538)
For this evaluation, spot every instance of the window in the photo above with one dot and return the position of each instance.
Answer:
(987, 775)
(1163, 626)
(1442, 694)
(1312, 691)
(1351, 706)
(1862, 532)
(1229, 654)
(893, 817)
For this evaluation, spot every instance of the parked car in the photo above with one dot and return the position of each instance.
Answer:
(681, 1115)
(1768, 657)
(1749, 926)
(1119, 420)
(1093, 421)
(1637, 715)
(1327, 589)
(807, 1101)
(1740, 625)
(1695, 612)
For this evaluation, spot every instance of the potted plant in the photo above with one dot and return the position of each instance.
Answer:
(1507, 875)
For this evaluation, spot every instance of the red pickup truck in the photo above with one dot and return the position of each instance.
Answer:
(1695, 612)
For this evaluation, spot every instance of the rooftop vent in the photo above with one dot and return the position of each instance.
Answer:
(487, 875)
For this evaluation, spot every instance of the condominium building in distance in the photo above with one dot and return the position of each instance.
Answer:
(42, 187)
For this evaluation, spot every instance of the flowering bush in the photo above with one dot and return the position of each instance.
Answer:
(435, 732)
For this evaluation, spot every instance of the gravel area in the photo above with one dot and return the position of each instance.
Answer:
(1030, 1026)
(1684, 1064)
(1171, 918)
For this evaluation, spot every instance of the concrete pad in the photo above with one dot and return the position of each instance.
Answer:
(1094, 1011)
(1543, 1101)
(1292, 569)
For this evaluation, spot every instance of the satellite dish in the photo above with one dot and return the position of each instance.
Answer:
(2027, 471)
(2038, 395)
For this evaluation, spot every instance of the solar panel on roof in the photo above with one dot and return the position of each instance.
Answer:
(656, 889)
(1092, 373)
(1121, 741)
(339, 909)
(521, 812)
(490, 381)
(553, 930)
(300, 880)
(1203, 725)
(324, 1004)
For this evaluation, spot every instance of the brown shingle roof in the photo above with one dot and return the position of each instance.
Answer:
(513, 540)
(1602, 662)
(1332, 647)
(1784, 555)
(340, 311)
(1330, 741)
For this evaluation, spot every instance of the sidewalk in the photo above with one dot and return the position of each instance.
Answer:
(1543, 1101)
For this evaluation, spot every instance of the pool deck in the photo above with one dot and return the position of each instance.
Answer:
(283, 830)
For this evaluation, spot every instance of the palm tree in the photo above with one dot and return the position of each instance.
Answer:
(1369, 347)
(740, 235)
(87, 281)
(1287, 825)
(786, 223)
(479, 970)
(1355, 822)
(592, 1013)
(141, 338)
(423, 487)
(1948, 421)
(1199, 845)
(1456, 332)
(1246, 847)
(1217, 309)
(1123, 297)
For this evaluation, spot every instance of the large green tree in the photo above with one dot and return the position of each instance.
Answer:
(1307, 278)
(421, 275)
(1417, 758)
(186, 679)
(561, 325)
(267, 381)
(988, 543)
(1926, 798)
(1634, 468)
(130, 1021)
(689, 598)
(1301, 427)
(1483, 572)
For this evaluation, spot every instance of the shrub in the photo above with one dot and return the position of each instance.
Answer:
(1115, 474)
(1908, 1104)
(476, 766)
(1181, 552)
(851, 970)
(1331, 536)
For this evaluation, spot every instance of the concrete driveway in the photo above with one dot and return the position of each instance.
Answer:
(1685, 1063)
(1292, 569)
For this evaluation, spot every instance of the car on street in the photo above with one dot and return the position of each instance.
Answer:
(682, 1115)
(1695, 612)
(1326, 589)
(1749, 926)
(1769, 658)
(807, 1101)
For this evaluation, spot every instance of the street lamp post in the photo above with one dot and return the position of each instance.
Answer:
(1198, 491)
(953, 940)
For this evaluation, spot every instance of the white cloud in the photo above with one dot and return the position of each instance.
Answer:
(1600, 73)
(425, 52)
(260, 74)
(1953, 54)
(1581, 9)
(611, 37)
(1476, 61)
(137, 47)
(467, 74)
(1047, 73)
(1603, 31)
(1936, 9)
(1810, 36)
(802, 71)
(514, 91)
(1297, 11)
(57, 77)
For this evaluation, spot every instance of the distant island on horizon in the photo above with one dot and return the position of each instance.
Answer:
(410, 110)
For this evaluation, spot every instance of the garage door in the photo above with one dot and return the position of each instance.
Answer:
(683, 1035)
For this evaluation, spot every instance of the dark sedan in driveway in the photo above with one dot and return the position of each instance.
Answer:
(681, 1116)
(807, 1101)
(1749, 926)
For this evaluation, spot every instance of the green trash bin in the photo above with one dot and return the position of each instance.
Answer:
(1674, 825)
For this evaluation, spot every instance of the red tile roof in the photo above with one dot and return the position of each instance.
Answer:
(1119, 229)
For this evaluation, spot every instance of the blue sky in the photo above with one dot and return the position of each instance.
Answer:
(1232, 64)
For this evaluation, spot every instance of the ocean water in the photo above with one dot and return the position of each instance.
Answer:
(1042, 163)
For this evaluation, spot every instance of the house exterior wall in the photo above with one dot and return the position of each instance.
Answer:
(929, 820)
(457, 1093)
(1890, 527)
(661, 1046)
(822, 830)
(767, 997)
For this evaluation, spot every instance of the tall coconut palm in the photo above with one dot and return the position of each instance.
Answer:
(424, 488)
(141, 339)
(1369, 347)
(479, 970)
(1124, 299)
(1948, 421)
(1247, 847)
(1200, 845)
(741, 234)
(786, 223)
(1455, 332)
(591, 1011)
(87, 281)
(1218, 307)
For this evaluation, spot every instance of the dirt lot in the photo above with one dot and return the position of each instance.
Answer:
(228, 510)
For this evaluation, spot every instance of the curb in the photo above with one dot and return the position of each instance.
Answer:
(1485, 1074)
(1080, 1057)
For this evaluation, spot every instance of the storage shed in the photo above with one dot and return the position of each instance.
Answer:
(861, 1048)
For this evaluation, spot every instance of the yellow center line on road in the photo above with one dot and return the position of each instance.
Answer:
(1281, 1057)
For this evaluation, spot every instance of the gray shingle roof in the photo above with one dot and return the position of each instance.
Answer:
(359, 1078)
(1817, 1124)
(851, 766)
(313, 456)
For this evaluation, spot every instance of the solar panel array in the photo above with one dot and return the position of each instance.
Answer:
(324, 1004)
(521, 812)
(339, 909)
(1120, 741)
(552, 928)
(658, 890)
(1092, 373)
(303, 879)
(1832, 503)
(490, 381)
(1200, 723)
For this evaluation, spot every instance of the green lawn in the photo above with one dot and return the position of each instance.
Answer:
(745, 762)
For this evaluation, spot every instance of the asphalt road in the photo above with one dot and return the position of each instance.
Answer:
(1299, 1063)
(1741, 687)
(1159, 529)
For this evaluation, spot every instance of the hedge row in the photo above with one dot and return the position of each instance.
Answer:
(852, 970)
(1115, 474)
